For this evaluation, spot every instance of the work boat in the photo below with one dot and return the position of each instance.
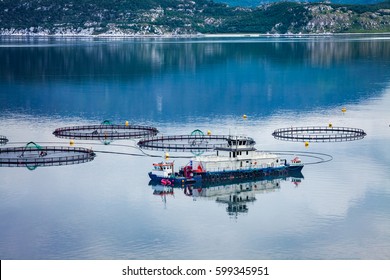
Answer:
(163, 173)
(238, 160)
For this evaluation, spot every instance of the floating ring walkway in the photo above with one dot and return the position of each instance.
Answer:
(186, 143)
(105, 132)
(3, 140)
(34, 155)
(319, 134)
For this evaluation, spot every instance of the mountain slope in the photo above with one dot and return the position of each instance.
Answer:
(175, 17)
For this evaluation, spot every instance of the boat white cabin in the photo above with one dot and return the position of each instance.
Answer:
(240, 154)
(163, 169)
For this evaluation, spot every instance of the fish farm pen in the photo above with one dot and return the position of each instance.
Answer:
(105, 132)
(186, 143)
(3, 140)
(33, 155)
(319, 134)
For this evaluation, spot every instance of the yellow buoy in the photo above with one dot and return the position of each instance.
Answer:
(330, 125)
(306, 144)
(244, 116)
(71, 142)
(344, 110)
(166, 156)
(127, 123)
(208, 132)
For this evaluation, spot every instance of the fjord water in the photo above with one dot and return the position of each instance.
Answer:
(106, 209)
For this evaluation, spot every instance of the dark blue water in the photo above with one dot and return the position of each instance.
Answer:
(105, 209)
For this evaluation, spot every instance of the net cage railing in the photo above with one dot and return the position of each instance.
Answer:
(187, 143)
(3, 140)
(105, 132)
(44, 156)
(319, 134)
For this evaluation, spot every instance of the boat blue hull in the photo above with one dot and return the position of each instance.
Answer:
(222, 176)
(287, 170)
(176, 180)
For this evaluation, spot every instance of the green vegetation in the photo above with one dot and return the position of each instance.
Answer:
(158, 17)
(276, 18)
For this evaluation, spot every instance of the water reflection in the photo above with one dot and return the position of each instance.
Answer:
(136, 78)
(137, 59)
(340, 212)
(237, 195)
(3, 140)
(163, 192)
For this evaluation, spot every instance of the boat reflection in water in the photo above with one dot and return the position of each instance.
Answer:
(163, 191)
(236, 194)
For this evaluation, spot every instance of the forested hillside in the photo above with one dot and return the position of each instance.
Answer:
(185, 17)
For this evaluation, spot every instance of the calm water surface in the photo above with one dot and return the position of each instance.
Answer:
(106, 209)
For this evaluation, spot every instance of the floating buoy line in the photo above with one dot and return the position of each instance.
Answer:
(318, 157)
(33, 155)
(319, 134)
(141, 154)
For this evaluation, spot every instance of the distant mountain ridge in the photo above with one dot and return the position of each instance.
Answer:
(185, 17)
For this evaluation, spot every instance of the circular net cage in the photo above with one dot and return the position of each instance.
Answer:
(319, 134)
(195, 143)
(34, 155)
(3, 140)
(105, 132)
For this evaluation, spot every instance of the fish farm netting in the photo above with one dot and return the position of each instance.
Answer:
(187, 143)
(3, 140)
(319, 134)
(105, 132)
(33, 155)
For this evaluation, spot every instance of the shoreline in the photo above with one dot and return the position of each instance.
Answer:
(191, 36)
